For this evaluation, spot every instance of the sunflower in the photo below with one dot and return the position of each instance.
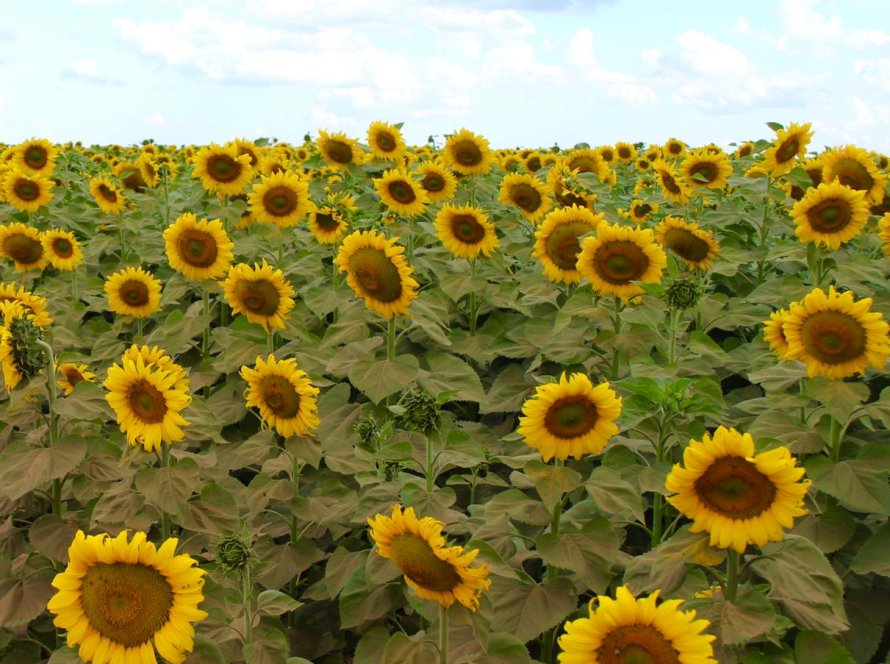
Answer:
(694, 245)
(156, 358)
(617, 256)
(557, 244)
(432, 570)
(437, 181)
(853, 167)
(570, 418)
(672, 186)
(281, 199)
(62, 249)
(245, 147)
(636, 630)
(34, 304)
(401, 193)
(36, 157)
(746, 149)
(377, 271)
(130, 176)
(27, 192)
(120, 600)
(830, 214)
(328, 224)
(607, 154)
(883, 233)
(385, 141)
(338, 150)
(673, 148)
(260, 292)
(790, 145)
(222, 169)
(72, 374)
(283, 394)
(587, 160)
(625, 152)
(467, 153)
(133, 292)
(24, 245)
(533, 162)
(108, 197)
(274, 161)
(147, 167)
(639, 210)
(198, 249)
(566, 189)
(526, 192)
(835, 335)
(737, 496)
(706, 169)
(642, 164)
(774, 333)
(465, 231)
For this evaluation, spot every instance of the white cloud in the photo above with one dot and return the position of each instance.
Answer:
(612, 85)
(87, 70)
(156, 120)
(581, 52)
(803, 23)
(875, 73)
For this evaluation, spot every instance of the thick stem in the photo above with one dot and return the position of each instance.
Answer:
(428, 471)
(247, 601)
(165, 519)
(672, 344)
(732, 574)
(658, 499)
(270, 341)
(75, 295)
(51, 395)
(616, 324)
(335, 280)
(166, 200)
(443, 635)
(549, 641)
(835, 439)
(474, 311)
(205, 338)
(120, 234)
(391, 339)
(763, 233)
(138, 333)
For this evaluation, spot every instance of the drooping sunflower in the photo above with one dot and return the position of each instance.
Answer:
(466, 231)
(281, 199)
(527, 193)
(587, 160)
(830, 214)
(120, 600)
(24, 245)
(437, 181)
(607, 154)
(108, 197)
(533, 162)
(617, 256)
(745, 149)
(789, 146)
(385, 141)
(261, 293)
(566, 188)
(693, 244)
(640, 210)
(72, 374)
(283, 394)
(247, 147)
(338, 150)
(130, 176)
(706, 169)
(198, 248)
(737, 496)
(853, 167)
(36, 156)
(222, 169)
(433, 570)
(149, 170)
(401, 193)
(155, 357)
(147, 403)
(377, 271)
(27, 192)
(774, 333)
(883, 233)
(328, 223)
(673, 148)
(570, 418)
(62, 249)
(133, 292)
(628, 630)
(836, 335)
(35, 304)
(557, 243)
(672, 186)
(625, 152)
(467, 153)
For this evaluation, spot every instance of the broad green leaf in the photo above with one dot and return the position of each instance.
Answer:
(508, 391)
(528, 610)
(552, 482)
(591, 553)
(448, 373)
(751, 615)
(856, 483)
(51, 536)
(169, 488)
(519, 507)
(414, 649)
(360, 604)
(872, 556)
(275, 603)
(839, 397)
(87, 402)
(666, 566)
(371, 646)
(380, 378)
(814, 647)
(214, 511)
(829, 530)
(24, 468)
(269, 646)
(613, 495)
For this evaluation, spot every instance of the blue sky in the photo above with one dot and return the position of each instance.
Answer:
(520, 72)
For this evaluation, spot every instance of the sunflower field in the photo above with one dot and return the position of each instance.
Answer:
(358, 402)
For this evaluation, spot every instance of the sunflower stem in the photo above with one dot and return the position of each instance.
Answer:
(270, 341)
(473, 308)
(335, 280)
(137, 335)
(247, 601)
(75, 296)
(616, 324)
(761, 263)
(835, 439)
(120, 234)
(391, 339)
(51, 394)
(732, 574)
(205, 338)
(166, 199)
(443, 635)
(164, 456)
(672, 344)
(428, 470)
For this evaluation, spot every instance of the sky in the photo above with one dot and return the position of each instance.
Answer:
(522, 73)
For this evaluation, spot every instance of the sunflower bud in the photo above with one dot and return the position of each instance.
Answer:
(419, 411)
(26, 353)
(371, 434)
(233, 552)
(683, 294)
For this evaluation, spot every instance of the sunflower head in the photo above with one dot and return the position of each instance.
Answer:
(401, 193)
(281, 199)
(62, 249)
(109, 199)
(683, 294)
(71, 374)
(673, 187)
(618, 256)
(437, 181)
(261, 293)
(27, 192)
(222, 169)
(419, 411)
(21, 354)
(526, 193)
(830, 214)
(465, 231)
(36, 156)
(23, 245)
(133, 292)
(467, 153)
(854, 168)
(789, 146)
(385, 141)
(694, 245)
(557, 242)
(338, 150)
(774, 333)
(198, 249)
(233, 552)
(706, 169)
(673, 148)
(283, 394)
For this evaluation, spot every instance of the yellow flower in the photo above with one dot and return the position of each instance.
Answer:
(437, 181)
(467, 153)
(328, 224)
(830, 214)
(432, 570)
(737, 496)
(155, 357)
(108, 197)
(281, 199)
(852, 166)
(377, 271)
(36, 156)
(703, 168)
(746, 149)
(72, 374)
(130, 176)
(884, 232)
(261, 293)
(62, 249)
(27, 192)
(119, 600)
(673, 147)
(774, 333)
(616, 257)
(527, 193)
(147, 403)
(284, 395)
(24, 245)
(338, 150)
(587, 160)
(400, 193)
(790, 145)
(146, 165)
(35, 305)
(672, 186)
(222, 169)
(625, 152)
(629, 630)
(198, 249)
(557, 243)
(835, 335)
(570, 418)
(694, 245)
(465, 231)
(639, 210)
(133, 292)
(385, 141)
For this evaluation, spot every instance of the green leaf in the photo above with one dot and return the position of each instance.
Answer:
(814, 647)
(856, 483)
(86, 403)
(552, 482)
(518, 507)
(269, 646)
(666, 566)
(508, 391)
(360, 604)
(414, 649)
(52, 536)
(840, 398)
(169, 488)
(23, 468)
(214, 511)
(750, 616)
(275, 603)
(380, 378)
(448, 373)
(65, 655)
(590, 553)
(528, 610)
(613, 495)
(872, 556)
(775, 126)
(829, 530)
(371, 646)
